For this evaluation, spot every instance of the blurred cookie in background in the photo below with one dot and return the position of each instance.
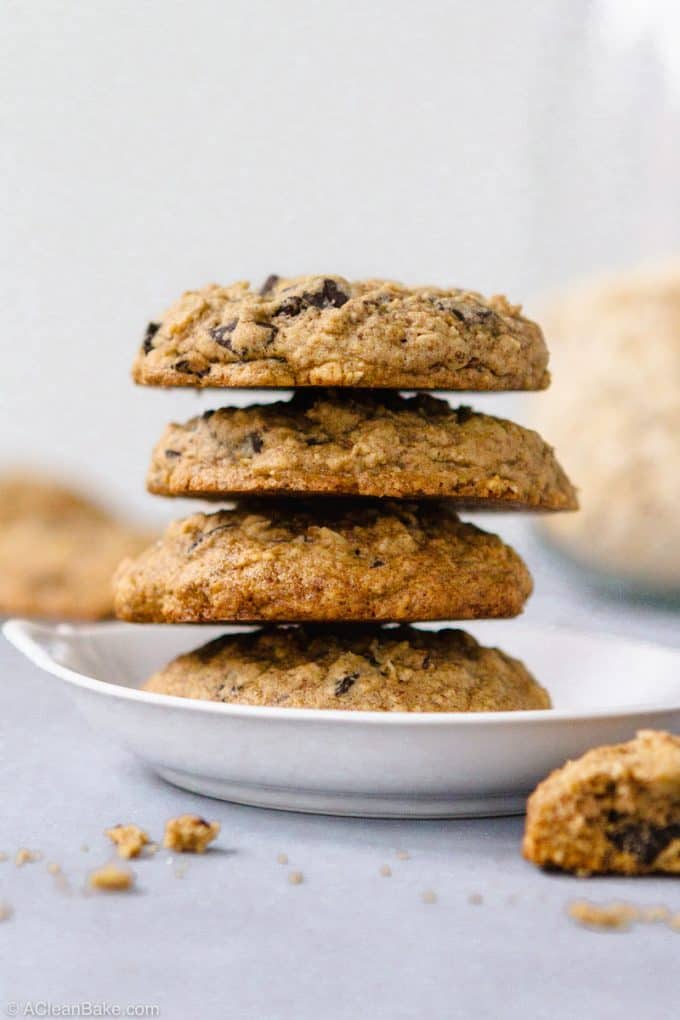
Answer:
(614, 414)
(58, 550)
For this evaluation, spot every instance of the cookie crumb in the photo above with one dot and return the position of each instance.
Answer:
(111, 878)
(295, 877)
(655, 914)
(54, 869)
(129, 839)
(476, 899)
(610, 916)
(5, 911)
(25, 856)
(282, 858)
(189, 834)
(151, 849)
(428, 896)
(674, 922)
(3, 856)
(385, 870)
(403, 855)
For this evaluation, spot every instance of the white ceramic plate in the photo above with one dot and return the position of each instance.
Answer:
(362, 763)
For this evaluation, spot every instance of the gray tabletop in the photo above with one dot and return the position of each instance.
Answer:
(230, 936)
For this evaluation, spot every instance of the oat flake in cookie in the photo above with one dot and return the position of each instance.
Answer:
(331, 560)
(325, 442)
(326, 331)
(354, 668)
(616, 809)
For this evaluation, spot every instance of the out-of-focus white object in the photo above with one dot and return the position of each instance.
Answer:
(613, 412)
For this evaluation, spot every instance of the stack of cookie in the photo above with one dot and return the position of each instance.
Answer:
(347, 495)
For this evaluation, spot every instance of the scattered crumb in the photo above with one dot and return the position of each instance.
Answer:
(129, 839)
(476, 899)
(612, 916)
(295, 877)
(25, 856)
(403, 855)
(5, 911)
(3, 856)
(85, 848)
(61, 882)
(653, 914)
(428, 896)
(385, 870)
(189, 834)
(674, 922)
(53, 868)
(111, 878)
(151, 849)
(282, 858)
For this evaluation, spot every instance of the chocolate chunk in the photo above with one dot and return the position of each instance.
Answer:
(463, 414)
(643, 840)
(151, 331)
(329, 295)
(269, 284)
(255, 441)
(207, 415)
(171, 454)
(184, 366)
(344, 683)
(311, 441)
(377, 563)
(470, 315)
(221, 334)
(207, 534)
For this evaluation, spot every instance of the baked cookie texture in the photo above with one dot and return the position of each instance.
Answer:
(326, 331)
(616, 809)
(360, 443)
(293, 561)
(58, 551)
(353, 668)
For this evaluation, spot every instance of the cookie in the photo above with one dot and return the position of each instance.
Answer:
(58, 551)
(272, 560)
(360, 443)
(616, 809)
(355, 668)
(325, 331)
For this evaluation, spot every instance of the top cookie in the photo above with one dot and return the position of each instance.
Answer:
(325, 331)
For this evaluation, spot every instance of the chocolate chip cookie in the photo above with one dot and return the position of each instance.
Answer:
(329, 560)
(58, 551)
(366, 667)
(360, 443)
(616, 809)
(326, 331)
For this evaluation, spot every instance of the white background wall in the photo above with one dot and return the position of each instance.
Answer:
(153, 146)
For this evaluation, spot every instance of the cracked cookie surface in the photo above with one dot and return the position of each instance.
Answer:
(371, 668)
(616, 809)
(360, 443)
(333, 560)
(58, 551)
(326, 331)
